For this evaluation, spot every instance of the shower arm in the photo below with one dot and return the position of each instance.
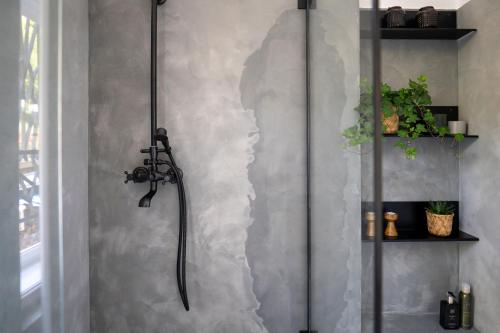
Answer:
(151, 172)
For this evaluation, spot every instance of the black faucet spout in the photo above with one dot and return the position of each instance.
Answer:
(145, 202)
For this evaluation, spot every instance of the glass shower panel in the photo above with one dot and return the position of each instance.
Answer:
(10, 37)
(342, 168)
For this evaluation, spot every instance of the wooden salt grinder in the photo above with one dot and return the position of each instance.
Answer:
(390, 230)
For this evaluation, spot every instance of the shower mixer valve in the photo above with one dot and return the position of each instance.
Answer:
(151, 172)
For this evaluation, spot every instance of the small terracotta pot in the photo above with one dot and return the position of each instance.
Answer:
(439, 225)
(391, 124)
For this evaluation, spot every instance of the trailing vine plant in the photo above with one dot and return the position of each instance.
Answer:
(410, 104)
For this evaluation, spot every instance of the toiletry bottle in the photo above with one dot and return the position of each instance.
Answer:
(466, 307)
(449, 313)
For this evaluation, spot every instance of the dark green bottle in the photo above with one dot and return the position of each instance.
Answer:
(466, 307)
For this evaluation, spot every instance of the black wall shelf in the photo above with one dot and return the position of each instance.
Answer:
(421, 34)
(430, 34)
(431, 136)
(409, 237)
(446, 30)
(412, 223)
(451, 113)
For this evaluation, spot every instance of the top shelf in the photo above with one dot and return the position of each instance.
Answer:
(447, 27)
(430, 33)
(421, 34)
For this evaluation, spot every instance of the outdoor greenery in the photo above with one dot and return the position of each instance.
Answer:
(410, 104)
(440, 208)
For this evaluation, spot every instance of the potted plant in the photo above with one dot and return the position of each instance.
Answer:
(405, 113)
(440, 218)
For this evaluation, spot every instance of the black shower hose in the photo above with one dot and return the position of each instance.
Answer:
(181, 248)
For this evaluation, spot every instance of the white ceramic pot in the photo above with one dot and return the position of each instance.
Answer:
(457, 127)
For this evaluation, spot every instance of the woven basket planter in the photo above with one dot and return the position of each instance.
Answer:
(427, 17)
(395, 17)
(439, 225)
(391, 124)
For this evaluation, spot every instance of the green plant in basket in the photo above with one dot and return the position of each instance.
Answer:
(409, 104)
(440, 208)
(440, 216)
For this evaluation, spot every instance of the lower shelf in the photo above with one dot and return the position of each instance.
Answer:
(414, 237)
(397, 323)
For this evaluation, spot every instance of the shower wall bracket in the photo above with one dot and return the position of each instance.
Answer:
(303, 4)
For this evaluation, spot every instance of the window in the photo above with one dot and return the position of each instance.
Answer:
(29, 145)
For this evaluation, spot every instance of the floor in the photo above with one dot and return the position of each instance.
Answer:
(411, 324)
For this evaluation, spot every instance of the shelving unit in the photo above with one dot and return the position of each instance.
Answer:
(412, 222)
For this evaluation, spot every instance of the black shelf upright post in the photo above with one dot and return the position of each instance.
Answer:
(308, 5)
(377, 167)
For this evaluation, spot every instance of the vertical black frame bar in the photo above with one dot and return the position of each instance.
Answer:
(377, 166)
(154, 29)
(308, 167)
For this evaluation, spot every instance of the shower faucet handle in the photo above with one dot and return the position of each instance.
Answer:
(128, 177)
(139, 175)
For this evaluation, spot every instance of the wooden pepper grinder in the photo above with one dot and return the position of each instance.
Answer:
(390, 230)
(370, 226)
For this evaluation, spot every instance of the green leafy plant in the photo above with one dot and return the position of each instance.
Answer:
(440, 208)
(410, 104)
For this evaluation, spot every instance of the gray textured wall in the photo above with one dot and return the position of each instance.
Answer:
(404, 59)
(415, 279)
(9, 122)
(231, 93)
(479, 76)
(74, 164)
(335, 172)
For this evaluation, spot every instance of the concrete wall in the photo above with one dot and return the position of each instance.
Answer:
(404, 59)
(74, 149)
(336, 172)
(10, 318)
(479, 76)
(231, 93)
